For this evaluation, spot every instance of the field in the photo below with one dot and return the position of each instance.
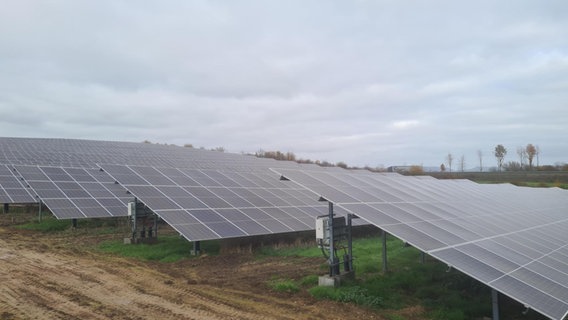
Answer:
(520, 178)
(52, 271)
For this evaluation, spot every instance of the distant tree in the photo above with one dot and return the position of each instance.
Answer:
(305, 161)
(147, 141)
(513, 166)
(462, 163)
(416, 170)
(480, 157)
(442, 168)
(290, 156)
(530, 151)
(342, 164)
(220, 149)
(188, 145)
(521, 152)
(547, 167)
(324, 163)
(449, 160)
(500, 153)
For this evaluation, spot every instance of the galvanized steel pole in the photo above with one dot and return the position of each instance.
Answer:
(331, 247)
(495, 301)
(384, 239)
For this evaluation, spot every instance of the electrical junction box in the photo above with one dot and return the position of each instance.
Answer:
(131, 208)
(322, 229)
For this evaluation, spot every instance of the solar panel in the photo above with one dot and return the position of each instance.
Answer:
(72, 193)
(12, 190)
(512, 239)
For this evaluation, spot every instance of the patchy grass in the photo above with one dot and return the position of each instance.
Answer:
(446, 295)
(48, 224)
(51, 224)
(166, 249)
(348, 293)
(284, 285)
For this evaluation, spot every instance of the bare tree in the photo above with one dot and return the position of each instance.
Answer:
(462, 163)
(522, 156)
(530, 152)
(480, 157)
(450, 160)
(537, 156)
(500, 153)
(442, 168)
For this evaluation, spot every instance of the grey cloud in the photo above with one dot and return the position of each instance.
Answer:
(366, 82)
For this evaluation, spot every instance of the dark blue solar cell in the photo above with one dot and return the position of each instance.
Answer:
(226, 229)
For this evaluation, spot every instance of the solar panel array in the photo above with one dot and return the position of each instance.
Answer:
(211, 204)
(71, 153)
(508, 237)
(513, 239)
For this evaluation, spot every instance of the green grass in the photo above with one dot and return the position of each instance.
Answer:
(48, 224)
(166, 249)
(311, 251)
(284, 285)
(447, 295)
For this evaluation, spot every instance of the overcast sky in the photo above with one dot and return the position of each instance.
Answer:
(364, 82)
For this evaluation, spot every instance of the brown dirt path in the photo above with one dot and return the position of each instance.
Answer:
(43, 276)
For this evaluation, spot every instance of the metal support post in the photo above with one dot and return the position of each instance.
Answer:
(495, 302)
(156, 225)
(6, 207)
(133, 217)
(350, 241)
(422, 257)
(384, 240)
(196, 248)
(332, 260)
(39, 214)
(74, 223)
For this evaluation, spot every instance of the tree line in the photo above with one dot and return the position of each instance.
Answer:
(527, 156)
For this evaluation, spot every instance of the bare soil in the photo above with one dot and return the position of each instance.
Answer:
(61, 276)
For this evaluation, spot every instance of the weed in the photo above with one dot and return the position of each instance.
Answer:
(310, 280)
(284, 285)
(48, 224)
(167, 249)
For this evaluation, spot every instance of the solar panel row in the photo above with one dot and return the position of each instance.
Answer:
(210, 204)
(511, 238)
